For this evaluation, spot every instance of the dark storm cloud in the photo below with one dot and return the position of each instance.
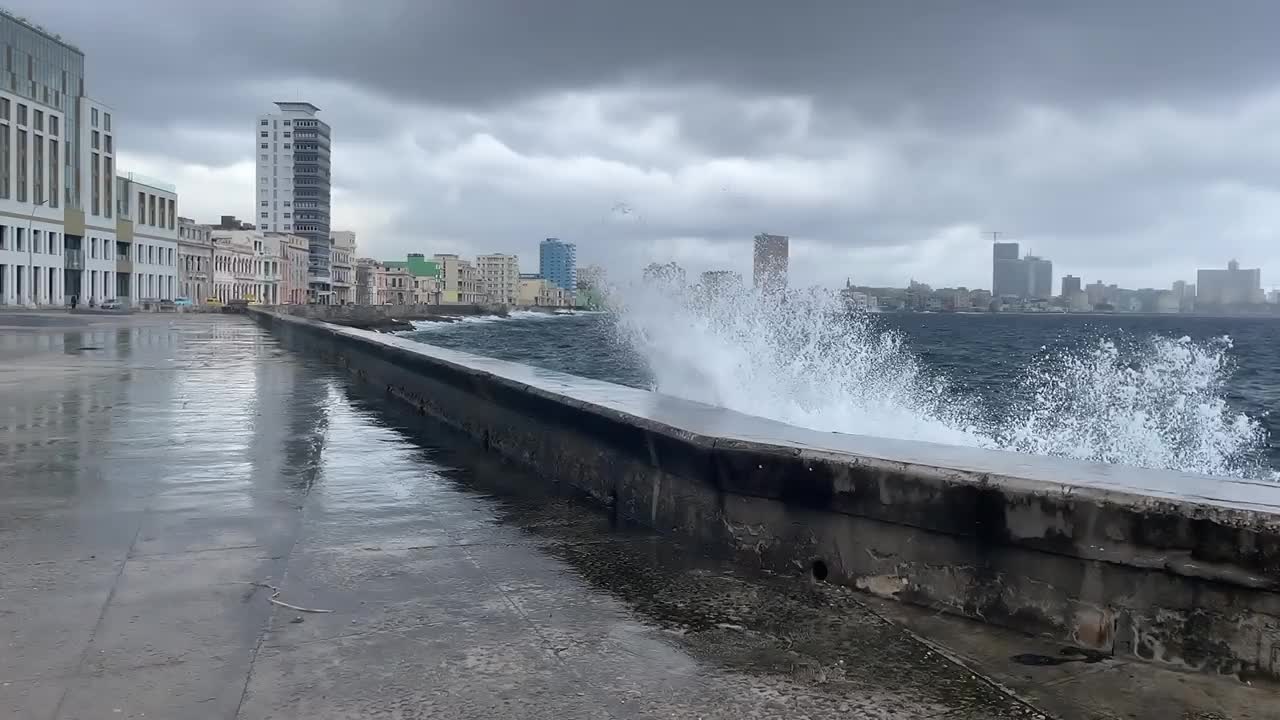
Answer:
(1101, 132)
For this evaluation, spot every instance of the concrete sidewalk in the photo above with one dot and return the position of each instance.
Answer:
(162, 477)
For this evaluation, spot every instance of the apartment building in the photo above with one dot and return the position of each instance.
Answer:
(293, 185)
(459, 281)
(499, 278)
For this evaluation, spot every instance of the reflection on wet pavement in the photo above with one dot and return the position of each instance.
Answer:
(156, 475)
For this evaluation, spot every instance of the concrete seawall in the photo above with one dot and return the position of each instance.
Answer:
(1173, 568)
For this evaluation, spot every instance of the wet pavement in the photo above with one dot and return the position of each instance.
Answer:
(198, 523)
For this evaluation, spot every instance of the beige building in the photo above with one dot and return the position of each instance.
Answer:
(342, 256)
(399, 286)
(499, 278)
(536, 291)
(459, 281)
(195, 261)
(295, 252)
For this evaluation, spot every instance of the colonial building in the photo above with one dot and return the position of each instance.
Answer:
(195, 261)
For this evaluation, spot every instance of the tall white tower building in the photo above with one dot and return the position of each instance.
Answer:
(292, 193)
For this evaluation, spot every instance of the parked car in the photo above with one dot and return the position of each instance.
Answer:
(111, 304)
(183, 302)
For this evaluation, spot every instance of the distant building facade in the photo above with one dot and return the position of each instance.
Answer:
(558, 263)
(1070, 286)
(770, 262)
(195, 261)
(1008, 277)
(1039, 277)
(537, 291)
(459, 281)
(342, 255)
(1232, 286)
(499, 278)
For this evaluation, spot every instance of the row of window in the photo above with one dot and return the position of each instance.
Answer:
(148, 204)
(37, 117)
(29, 151)
(108, 249)
(44, 242)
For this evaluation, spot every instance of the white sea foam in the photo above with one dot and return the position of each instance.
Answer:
(1158, 402)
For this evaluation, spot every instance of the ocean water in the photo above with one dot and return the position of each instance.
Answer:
(1185, 393)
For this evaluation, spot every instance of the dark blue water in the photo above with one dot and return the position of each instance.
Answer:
(977, 354)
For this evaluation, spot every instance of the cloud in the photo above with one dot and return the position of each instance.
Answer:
(1129, 142)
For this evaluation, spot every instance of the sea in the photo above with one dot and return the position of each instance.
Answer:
(1176, 392)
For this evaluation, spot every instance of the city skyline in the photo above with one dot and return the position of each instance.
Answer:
(640, 154)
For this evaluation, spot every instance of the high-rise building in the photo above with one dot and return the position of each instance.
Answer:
(499, 278)
(770, 263)
(1233, 286)
(1009, 276)
(292, 191)
(1039, 277)
(1070, 286)
(558, 263)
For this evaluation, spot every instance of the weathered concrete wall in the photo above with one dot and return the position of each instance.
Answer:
(1174, 568)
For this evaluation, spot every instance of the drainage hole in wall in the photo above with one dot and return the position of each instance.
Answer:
(819, 570)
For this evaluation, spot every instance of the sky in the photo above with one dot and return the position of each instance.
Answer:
(1128, 142)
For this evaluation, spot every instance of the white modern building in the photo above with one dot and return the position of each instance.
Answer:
(147, 240)
(499, 278)
(292, 187)
(342, 266)
(66, 231)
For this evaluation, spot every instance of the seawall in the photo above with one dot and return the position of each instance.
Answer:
(1173, 568)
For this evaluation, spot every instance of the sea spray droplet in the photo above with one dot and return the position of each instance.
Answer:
(1156, 402)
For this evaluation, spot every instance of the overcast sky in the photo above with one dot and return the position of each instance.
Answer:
(1130, 142)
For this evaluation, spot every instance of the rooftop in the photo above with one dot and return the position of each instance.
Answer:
(304, 107)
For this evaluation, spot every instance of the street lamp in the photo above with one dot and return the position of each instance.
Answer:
(31, 293)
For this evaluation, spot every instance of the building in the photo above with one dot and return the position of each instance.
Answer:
(341, 258)
(234, 277)
(1039, 277)
(292, 191)
(558, 263)
(42, 164)
(1232, 286)
(195, 261)
(268, 267)
(367, 272)
(1070, 286)
(425, 284)
(399, 285)
(537, 291)
(1099, 294)
(770, 263)
(1185, 292)
(146, 239)
(499, 278)
(720, 282)
(459, 281)
(1009, 277)
(294, 275)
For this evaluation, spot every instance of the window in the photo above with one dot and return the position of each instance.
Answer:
(106, 124)
(151, 211)
(286, 146)
(286, 227)
(93, 140)
(93, 247)
(262, 226)
(93, 117)
(264, 158)
(107, 143)
(264, 182)
(263, 133)
(264, 215)
(286, 203)
(53, 170)
(288, 134)
(263, 146)
(287, 215)
(262, 123)
(288, 122)
(110, 176)
(22, 114)
(39, 120)
(22, 166)
(53, 125)
(4, 108)
(142, 208)
(264, 203)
